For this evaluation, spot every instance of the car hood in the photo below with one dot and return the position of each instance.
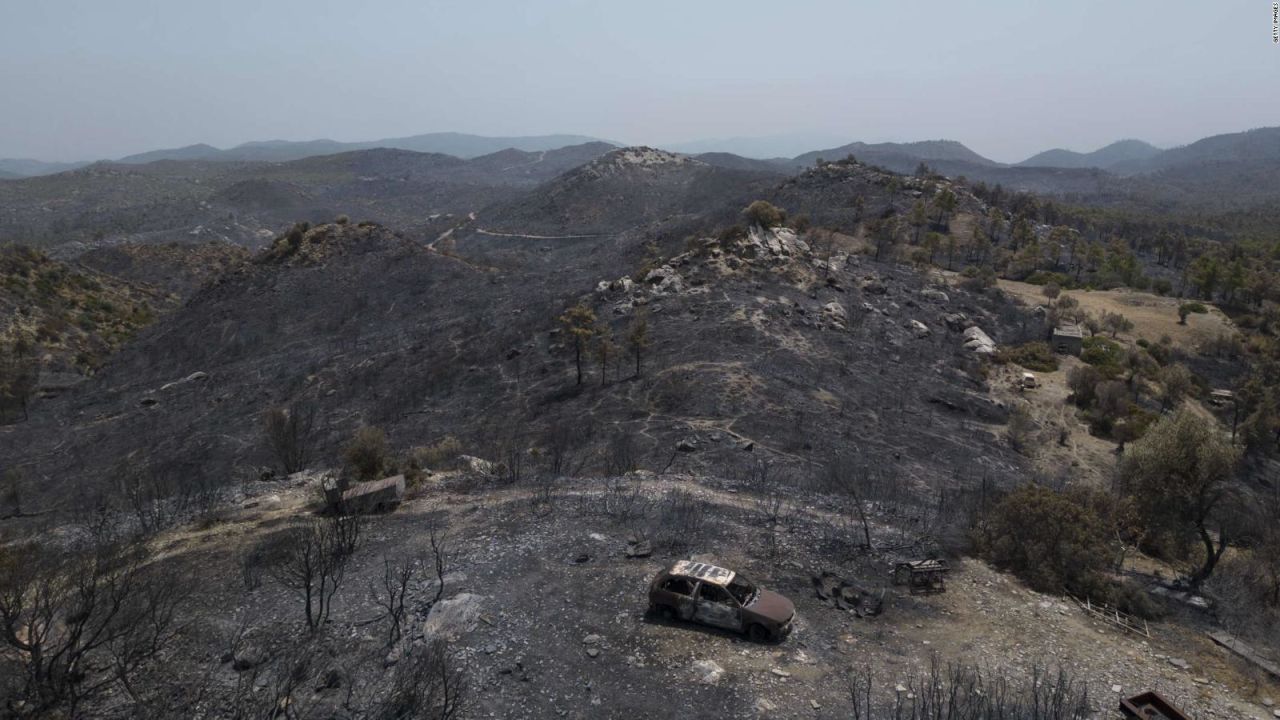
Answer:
(772, 606)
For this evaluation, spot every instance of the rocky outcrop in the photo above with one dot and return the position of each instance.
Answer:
(835, 313)
(664, 281)
(918, 328)
(452, 618)
(977, 341)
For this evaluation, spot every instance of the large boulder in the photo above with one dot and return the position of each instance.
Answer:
(935, 295)
(452, 618)
(476, 466)
(978, 342)
(957, 322)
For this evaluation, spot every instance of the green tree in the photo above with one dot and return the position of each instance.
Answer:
(884, 234)
(945, 203)
(638, 337)
(1186, 309)
(995, 224)
(917, 220)
(1233, 281)
(1022, 233)
(1204, 273)
(932, 241)
(1175, 383)
(764, 214)
(1183, 470)
(604, 350)
(1116, 323)
(1049, 539)
(579, 322)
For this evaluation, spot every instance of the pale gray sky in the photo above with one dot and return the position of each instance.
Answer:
(103, 78)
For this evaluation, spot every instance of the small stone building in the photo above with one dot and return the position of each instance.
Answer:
(1068, 340)
(367, 497)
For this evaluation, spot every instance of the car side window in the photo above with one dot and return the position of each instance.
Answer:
(680, 586)
(716, 594)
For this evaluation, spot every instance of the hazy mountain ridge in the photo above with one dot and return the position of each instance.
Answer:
(459, 145)
(1121, 151)
(11, 168)
(890, 154)
(245, 202)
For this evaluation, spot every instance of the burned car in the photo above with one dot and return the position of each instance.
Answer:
(714, 596)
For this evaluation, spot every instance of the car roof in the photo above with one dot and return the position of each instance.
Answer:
(703, 571)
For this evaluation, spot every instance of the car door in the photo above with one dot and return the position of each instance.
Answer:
(716, 607)
(678, 594)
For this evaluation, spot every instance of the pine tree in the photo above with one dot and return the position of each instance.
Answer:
(579, 322)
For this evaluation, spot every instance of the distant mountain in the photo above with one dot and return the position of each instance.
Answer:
(25, 167)
(519, 166)
(1123, 152)
(1260, 144)
(623, 189)
(456, 144)
(195, 199)
(9, 176)
(737, 162)
(757, 148)
(900, 157)
(190, 152)
(470, 146)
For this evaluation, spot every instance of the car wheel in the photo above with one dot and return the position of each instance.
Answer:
(666, 613)
(758, 634)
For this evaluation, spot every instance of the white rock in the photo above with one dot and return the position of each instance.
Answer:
(452, 618)
(707, 672)
(977, 341)
(835, 312)
(476, 465)
(664, 281)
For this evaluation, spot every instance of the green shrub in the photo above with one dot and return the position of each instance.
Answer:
(1135, 600)
(1103, 353)
(1051, 540)
(1036, 356)
(366, 454)
(764, 214)
(977, 279)
(1189, 308)
(1040, 277)
(440, 456)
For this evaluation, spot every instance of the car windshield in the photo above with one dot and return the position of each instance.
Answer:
(743, 591)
